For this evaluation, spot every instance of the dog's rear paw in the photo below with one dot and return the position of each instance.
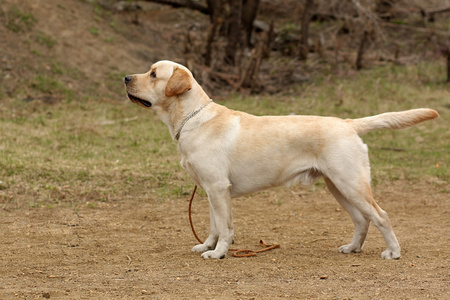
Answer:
(214, 254)
(349, 248)
(390, 254)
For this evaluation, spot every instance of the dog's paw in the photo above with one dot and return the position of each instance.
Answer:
(214, 254)
(349, 248)
(390, 254)
(200, 248)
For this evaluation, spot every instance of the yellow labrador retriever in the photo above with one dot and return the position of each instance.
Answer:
(230, 153)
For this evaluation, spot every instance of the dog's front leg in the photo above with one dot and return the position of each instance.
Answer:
(211, 241)
(222, 230)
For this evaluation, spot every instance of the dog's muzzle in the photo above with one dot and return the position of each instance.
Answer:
(135, 99)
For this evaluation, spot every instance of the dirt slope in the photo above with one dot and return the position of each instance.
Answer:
(81, 46)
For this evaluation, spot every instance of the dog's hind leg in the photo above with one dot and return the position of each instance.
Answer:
(384, 225)
(359, 197)
(347, 170)
(361, 222)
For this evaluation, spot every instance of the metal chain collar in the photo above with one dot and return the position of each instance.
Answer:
(190, 117)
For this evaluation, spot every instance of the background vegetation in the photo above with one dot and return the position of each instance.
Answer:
(68, 134)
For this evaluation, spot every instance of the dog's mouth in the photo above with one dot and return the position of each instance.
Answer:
(137, 100)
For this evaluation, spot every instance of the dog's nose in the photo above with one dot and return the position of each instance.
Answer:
(128, 78)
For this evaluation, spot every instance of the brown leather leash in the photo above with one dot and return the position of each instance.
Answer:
(237, 252)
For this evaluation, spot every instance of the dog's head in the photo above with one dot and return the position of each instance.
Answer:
(164, 81)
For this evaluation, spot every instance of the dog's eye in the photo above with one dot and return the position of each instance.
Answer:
(153, 74)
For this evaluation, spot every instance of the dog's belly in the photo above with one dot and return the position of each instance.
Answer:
(252, 177)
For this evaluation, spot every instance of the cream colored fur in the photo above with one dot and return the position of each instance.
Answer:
(230, 153)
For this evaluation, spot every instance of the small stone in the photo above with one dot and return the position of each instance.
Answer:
(324, 277)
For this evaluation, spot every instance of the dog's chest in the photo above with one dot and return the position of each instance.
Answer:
(187, 166)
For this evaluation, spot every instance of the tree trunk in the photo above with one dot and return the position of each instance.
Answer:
(304, 48)
(448, 65)
(249, 11)
(215, 8)
(234, 30)
(362, 47)
(215, 19)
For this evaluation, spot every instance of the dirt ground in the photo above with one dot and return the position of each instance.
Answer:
(140, 248)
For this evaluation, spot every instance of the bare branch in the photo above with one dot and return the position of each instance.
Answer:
(418, 29)
(184, 3)
(372, 17)
(438, 10)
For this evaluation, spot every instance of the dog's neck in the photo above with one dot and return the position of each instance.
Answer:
(182, 108)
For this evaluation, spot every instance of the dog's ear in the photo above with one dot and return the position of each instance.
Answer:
(178, 83)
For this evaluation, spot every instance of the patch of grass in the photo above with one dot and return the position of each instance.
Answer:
(94, 31)
(49, 85)
(19, 21)
(98, 10)
(36, 52)
(111, 39)
(114, 24)
(60, 69)
(45, 40)
(45, 84)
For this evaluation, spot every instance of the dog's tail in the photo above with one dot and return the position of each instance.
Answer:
(393, 120)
